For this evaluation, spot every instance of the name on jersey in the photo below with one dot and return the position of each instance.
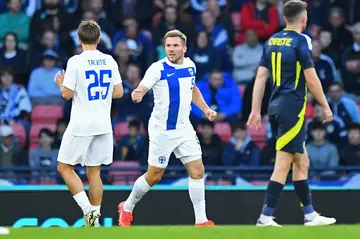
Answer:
(284, 41)
(100, 62)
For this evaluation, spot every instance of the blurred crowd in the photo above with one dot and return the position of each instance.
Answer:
(225, 40)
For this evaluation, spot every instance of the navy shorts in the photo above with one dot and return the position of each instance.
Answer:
(289, 131)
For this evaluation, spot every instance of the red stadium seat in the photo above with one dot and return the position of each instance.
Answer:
(309, 111)
(19, 133)
(259, 134)
(47, 112)
(242, 88)
(223, 129)
(36, 127)
(121, 129)
(118, 176)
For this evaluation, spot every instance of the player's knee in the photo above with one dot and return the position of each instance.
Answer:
(282, 167)
(153, 178)
(63, 168)
(197, 171)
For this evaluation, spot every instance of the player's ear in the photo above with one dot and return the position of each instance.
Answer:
(98, 41)
(185, 49)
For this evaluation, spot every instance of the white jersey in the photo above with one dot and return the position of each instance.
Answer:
(172, 86)
(91, 76)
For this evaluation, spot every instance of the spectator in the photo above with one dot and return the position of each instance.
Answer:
(314, 32)
(350, 155)
(279, 4)
(321, 153)
(50, 16)
(205, 56)
(123, 57)
(133, 146)
(11, 55)
(351, 9)
(44, 155)
(125, 108)
(329, 49)
(105, 40)
(202, 5)
(41, 85)
(246, 58)
(222, 18)
(324, 66)
(318, 12)
(61, 125)
(170, 21)
(15, 104)
(341, 37)
(342, 106)
(123, 9)
(211, 144)
(335, 130)
(49, 41)
(222, 95)
(217, 34)
(15, 20)
(351, 63)
(139, 42)
(261, 16)
(11, 154)
(241, 150)
(95, 11)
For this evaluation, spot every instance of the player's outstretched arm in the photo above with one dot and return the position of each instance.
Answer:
(316, 89)
(199, 101)
(139, 93)
(254, 120)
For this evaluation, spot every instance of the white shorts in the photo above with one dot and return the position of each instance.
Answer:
(87, 151)
(184, 143)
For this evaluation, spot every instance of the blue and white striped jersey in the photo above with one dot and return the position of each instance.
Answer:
(172, 86)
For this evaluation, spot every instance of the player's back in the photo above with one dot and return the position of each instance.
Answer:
(93, 75)
(286, 55)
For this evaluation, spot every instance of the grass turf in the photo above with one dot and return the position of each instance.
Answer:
(188, 232)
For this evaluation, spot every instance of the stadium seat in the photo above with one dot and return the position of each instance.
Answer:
(121, 129)
(259, 134)
(36, 127)
(223, 129)
(19, 133)
(124, 177)
(242, 88)
(47, 113)
(309, 111)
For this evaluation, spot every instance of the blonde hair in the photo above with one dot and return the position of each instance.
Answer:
(176, 33)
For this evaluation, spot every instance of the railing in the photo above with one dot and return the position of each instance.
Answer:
(127, 175)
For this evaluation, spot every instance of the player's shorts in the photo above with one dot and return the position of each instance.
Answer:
(289, 131)
(87, 151)
(183, 142)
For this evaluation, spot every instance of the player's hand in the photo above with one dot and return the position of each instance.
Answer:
(59, 78)
(137, 96)
(328, 115)
(210, 114)
(254, 121)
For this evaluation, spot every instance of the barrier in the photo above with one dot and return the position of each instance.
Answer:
(48, 206)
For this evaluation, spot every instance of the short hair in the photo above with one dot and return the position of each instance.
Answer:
(89, 32)
(317, 125)
(292, 9)
(134, 123)
(47, 132)
(354, 126)
(206, 122)
(7, 70)
(337, 84)
(240, 126)
(176, 33)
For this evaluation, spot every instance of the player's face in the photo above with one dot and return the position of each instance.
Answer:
(175, 49)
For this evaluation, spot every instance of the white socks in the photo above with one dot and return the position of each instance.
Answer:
(141, 187)
(83, 202)
(197, 196)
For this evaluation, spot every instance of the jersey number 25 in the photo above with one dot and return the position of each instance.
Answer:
(98, 82)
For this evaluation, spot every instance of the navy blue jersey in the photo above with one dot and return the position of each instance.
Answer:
(287, 54)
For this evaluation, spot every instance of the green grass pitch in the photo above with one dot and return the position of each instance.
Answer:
(188, 232)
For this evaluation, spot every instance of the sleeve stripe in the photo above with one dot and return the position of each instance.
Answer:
(308, 40)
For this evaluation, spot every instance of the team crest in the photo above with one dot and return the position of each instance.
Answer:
(162, 159)
(191, 71)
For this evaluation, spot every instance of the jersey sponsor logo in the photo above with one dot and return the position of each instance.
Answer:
(284, 41)
(162, 159)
